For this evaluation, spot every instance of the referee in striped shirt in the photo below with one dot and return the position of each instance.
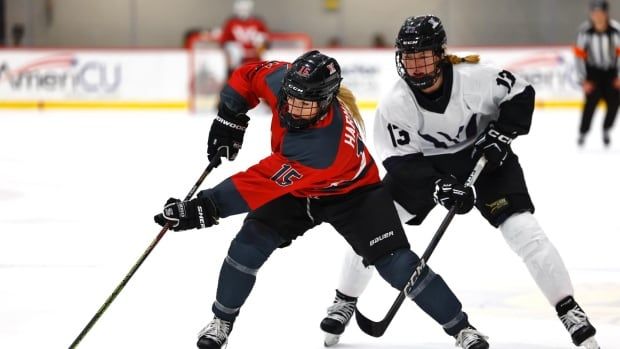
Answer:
(598, 60)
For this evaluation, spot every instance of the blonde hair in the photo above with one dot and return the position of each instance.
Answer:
(346, 97)
(454, 59)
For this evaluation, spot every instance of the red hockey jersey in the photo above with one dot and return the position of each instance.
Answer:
(251, 33)
(328, 158)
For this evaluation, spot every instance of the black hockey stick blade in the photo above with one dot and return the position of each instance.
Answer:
(377, 329)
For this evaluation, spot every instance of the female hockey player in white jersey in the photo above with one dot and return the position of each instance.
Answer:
(430, 129)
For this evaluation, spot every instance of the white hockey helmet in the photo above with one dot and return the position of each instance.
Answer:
(243, 8)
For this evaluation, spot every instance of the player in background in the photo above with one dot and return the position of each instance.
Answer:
(430, 129)
(598, 58)
(319, 171)
(244, 36)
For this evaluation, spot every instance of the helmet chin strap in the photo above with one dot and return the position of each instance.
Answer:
(436, 75)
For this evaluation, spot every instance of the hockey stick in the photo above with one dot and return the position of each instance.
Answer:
(377, 329)
(214, 163)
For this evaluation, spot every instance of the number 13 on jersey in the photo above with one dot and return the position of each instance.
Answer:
(398, 136)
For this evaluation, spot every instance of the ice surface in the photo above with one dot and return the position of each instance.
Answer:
(78, 191)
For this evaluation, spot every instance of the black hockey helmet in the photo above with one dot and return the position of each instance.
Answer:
(311, 77)
(421, 34)
(602, 5)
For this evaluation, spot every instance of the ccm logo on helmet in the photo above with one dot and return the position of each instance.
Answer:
(295, 88)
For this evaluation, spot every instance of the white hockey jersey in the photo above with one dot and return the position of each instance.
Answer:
(409, 123)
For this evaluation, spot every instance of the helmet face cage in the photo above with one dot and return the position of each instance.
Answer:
(309, 88)
(291, 107)
(420, 44)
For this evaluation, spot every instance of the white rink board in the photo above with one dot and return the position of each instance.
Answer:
(371, 73)
(78, 191)
(93, 75)
(180, 79)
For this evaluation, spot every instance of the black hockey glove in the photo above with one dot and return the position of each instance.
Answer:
(449, 192)
(227, 132)
(183, 215)
(494, 146)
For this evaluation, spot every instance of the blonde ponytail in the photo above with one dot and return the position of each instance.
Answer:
(346, 97)
(454, 59)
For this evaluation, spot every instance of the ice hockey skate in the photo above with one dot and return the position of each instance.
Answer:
(581, 140)
(470, 338)
(606, 138)
(215, 334)
(338, 316)
(577, 324)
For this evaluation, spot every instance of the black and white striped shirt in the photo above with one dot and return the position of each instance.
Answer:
(596, 50)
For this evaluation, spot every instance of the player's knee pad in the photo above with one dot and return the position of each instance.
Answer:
(397, 267)
(524, 235)
(252, 246)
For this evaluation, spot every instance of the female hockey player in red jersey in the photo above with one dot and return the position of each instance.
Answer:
(429, 131)
(319, 171)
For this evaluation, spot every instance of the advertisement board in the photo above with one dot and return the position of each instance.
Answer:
(82, 78)
(77, 78)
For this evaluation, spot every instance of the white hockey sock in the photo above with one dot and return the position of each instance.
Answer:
(527, 239)
(354, 276)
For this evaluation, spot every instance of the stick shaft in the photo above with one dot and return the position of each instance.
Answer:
(215, 162)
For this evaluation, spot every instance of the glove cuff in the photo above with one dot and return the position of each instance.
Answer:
(497, 134)
(238, 118)
(502, 130)
(231, 124)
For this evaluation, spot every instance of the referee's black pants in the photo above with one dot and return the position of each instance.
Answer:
(603, 89)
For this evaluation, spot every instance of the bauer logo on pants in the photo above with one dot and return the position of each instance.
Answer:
(381, 237)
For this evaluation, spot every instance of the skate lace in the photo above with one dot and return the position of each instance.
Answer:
(216, 330)
(341, 310)
(573, 320)
(468, 337)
